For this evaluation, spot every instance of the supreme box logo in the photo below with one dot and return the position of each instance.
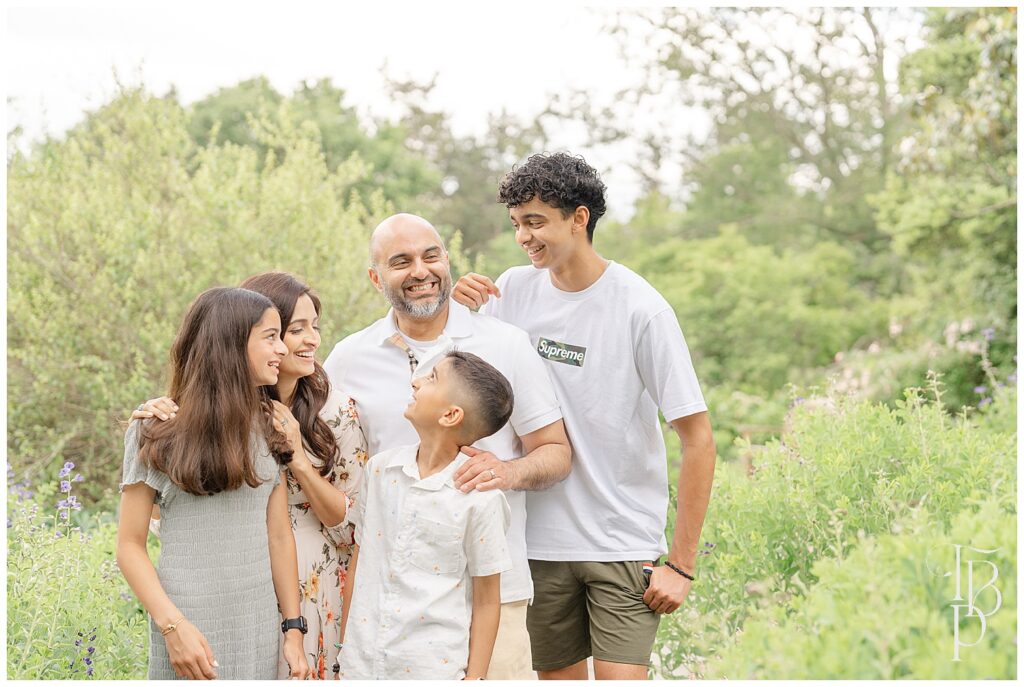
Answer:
(561, 352)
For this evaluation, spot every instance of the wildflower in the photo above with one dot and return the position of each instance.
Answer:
(78, 642)
(89, 671)
(57, 535)
(988, 333)
(65, 486)
(78, 478)
(984, 402)
(980, 389)
(63, 515)
(92, 649)
(88, 661)
(63, 503)
(69, 466)
(64, 472)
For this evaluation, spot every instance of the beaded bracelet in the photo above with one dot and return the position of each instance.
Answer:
(680, 571)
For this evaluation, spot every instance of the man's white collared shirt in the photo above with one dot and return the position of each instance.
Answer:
(376, 373)
(420, 543)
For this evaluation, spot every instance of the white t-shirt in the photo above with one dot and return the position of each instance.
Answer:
(420, 543)
(616, 355)
(375, 372)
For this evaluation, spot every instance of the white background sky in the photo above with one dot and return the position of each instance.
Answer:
(61, 60)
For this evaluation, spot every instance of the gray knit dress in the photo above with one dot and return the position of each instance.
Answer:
(215, 566)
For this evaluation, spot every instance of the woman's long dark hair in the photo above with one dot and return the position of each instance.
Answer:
(206, 449)
(311, 392)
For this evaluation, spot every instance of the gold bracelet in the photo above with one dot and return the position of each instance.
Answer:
(171, 627)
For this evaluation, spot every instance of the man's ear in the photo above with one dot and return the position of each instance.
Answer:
(375, 278)
(452, 417)
(580, 217)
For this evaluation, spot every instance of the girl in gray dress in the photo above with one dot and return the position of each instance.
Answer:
(228, 556)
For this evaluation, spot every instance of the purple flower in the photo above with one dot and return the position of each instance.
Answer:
(984, 402)
(63, 515)
(63, 503)
(78, 642)
(92, 649)
(988, 333)
(88, 661)
(64, 472)
(980, 389)
(69, 466)
(65, 486)
(57, 535)
(78, 478)
(89, 671)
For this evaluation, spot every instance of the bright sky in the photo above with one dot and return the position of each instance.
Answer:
(61, 61)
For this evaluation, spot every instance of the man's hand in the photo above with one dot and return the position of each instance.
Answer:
(667, 590)
(163, 408)
(473, 290)
(483, 472)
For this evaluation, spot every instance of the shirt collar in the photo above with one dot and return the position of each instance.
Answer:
(407, 461)
(459, 325)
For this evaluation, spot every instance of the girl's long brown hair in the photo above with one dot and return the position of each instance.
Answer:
(311, 392)
(207, 448)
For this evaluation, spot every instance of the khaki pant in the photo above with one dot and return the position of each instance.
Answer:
(511, 659)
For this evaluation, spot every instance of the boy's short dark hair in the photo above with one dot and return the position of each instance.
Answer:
(488, 391)
(561, 180)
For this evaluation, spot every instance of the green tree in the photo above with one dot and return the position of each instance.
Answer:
(113, 230)
(950, 201)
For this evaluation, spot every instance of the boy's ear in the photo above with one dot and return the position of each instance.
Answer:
(452, 417)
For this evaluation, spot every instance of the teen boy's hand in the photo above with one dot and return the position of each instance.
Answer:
(667, 590)
(472, 290)
(483, 472)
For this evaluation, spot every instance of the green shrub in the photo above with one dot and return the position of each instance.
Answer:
(114, 230)
(843, 466)
(70, 614)
(885, 611)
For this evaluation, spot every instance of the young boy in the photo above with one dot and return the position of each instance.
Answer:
(425, 602)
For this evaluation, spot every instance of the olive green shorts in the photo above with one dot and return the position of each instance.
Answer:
(590, 608)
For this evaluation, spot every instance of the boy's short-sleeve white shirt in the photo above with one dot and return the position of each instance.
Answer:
(616, 355)
(376, 373)
(421, 541)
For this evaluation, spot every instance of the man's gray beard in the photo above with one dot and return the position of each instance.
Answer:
(417, 311)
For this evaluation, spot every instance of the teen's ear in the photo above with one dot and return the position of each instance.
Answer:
(375, 279)
(580, 217)
(452, 417)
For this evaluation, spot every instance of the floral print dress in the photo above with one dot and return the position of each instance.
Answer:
(323, 552)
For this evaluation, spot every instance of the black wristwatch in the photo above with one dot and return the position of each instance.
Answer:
(295, 624)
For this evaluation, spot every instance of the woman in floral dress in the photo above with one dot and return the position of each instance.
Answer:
(324, 478)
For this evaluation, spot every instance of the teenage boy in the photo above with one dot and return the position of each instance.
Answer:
(616, 355)
(423, 596)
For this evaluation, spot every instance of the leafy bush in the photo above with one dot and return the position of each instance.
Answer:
(115, 229)
(70, 614)
(884, 612)
(843, 467)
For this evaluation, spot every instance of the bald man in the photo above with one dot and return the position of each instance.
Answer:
(375, 366)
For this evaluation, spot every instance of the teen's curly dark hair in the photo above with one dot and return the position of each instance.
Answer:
(561, 180)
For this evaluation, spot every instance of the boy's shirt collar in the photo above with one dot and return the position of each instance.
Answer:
(407, 461)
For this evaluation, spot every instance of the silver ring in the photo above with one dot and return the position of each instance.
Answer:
(494, 475)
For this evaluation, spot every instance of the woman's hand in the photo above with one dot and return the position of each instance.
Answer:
(190, 653)
(163, 408)
(295, 656)
(286, 423)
